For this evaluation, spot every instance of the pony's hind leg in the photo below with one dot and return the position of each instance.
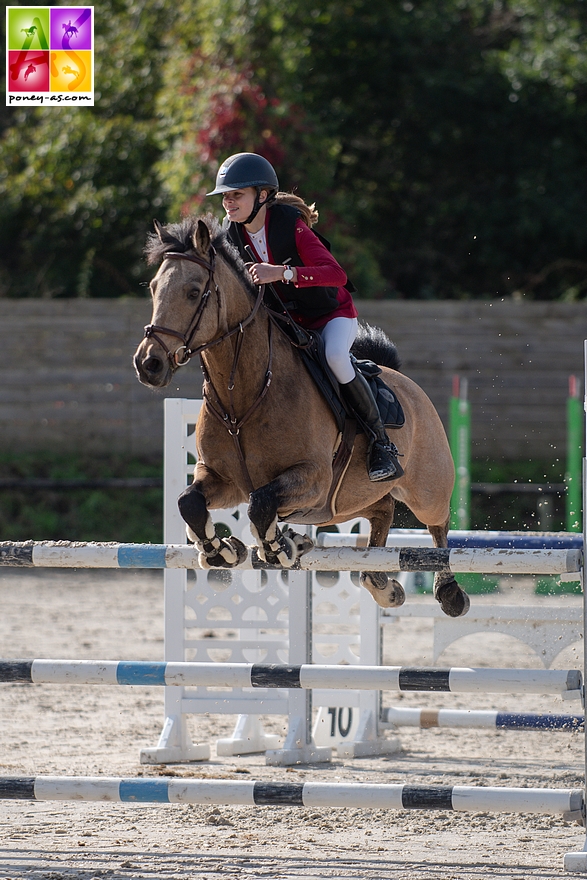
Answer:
(387, 591)
(215, 552)
(453, 600)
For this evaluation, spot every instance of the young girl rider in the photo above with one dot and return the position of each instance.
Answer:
(276, 226)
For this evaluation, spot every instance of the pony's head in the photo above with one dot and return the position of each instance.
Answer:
(187, 311)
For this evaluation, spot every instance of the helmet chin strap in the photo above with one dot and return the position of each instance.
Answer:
(258, 205)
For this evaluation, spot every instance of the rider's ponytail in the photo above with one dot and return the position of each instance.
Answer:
(308, 212)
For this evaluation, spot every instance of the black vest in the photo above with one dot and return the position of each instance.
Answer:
(312, 302)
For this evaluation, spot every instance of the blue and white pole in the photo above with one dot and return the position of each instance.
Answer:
(462, 798)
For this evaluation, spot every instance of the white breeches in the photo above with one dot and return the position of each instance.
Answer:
(338, 335)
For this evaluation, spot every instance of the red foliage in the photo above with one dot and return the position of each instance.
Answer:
(235, 116)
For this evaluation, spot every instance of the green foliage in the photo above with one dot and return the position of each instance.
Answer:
(94, 515)
(516, 511)
(78, 186)
(465, 173)
(443, 141)
(511, 511)
(125, 515)
(525, 471)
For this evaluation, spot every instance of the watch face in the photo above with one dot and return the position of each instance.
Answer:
(288, 273)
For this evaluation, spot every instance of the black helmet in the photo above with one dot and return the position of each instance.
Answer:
(245, 169)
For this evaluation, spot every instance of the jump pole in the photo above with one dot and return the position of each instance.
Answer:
(306, 676)
(425, 719)
(574, 456)
(460, 444)
(462, 798)
(577, 861)
(462, 538)
(70, 554)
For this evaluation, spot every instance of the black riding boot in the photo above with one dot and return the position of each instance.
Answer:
(382, 462)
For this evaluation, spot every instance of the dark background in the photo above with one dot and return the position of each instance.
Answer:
(444, 142)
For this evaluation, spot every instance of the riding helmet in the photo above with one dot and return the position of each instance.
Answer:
(245, 169)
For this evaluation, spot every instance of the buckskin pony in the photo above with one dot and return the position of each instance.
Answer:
(266, 434)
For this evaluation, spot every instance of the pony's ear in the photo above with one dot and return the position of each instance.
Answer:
(201, 239)
(164, 236)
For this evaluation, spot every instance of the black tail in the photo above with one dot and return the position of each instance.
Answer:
(372, 343)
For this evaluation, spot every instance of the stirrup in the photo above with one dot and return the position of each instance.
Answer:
(388, 467)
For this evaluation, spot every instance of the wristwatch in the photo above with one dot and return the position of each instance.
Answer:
(288, 274)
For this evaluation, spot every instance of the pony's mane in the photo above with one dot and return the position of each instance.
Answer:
(179, 237)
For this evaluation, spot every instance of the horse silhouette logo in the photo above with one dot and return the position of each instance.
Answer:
(70, 29)
(30, 32)
(30, 69)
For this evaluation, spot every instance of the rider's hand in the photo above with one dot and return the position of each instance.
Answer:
(266, 273)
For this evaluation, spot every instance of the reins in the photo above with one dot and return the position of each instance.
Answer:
(228, 419)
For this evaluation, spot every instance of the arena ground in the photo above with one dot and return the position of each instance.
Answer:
(72, 730)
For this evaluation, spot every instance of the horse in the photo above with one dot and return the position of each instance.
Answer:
(266, 434)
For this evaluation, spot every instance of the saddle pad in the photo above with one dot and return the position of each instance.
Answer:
(392, 414)
(390, 409)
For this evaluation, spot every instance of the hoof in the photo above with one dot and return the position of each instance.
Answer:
(281, 552)
(303, 543)
(453, 601)
(387, 592)
(230, 553)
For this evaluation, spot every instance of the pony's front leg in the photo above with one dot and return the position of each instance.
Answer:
(215, 552)
(289, 491)
(453, 600)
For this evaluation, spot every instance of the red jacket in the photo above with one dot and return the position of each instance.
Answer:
(318, 269)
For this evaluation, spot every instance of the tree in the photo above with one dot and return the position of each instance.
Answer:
(461, 127)
(443, 141)
(78, 186)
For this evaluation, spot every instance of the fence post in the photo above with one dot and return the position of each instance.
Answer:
(574, 456)
(460, 444)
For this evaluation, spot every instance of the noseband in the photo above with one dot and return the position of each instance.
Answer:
(152, 330)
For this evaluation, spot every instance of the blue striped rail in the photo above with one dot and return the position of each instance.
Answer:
(461, 539)
(479, 718)
(69, 554)
(308, 676)
(462, 798)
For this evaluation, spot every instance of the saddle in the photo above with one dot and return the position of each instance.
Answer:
(390, 409)
(311, 348)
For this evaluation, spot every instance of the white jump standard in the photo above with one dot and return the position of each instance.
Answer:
(72, 554)
(462, 798)
(308, 676)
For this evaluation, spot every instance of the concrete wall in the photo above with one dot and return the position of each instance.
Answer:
(69, 382)
(69, 379)
(517, 357)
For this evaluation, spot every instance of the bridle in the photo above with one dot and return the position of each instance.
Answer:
(228, 419)
(152, 330)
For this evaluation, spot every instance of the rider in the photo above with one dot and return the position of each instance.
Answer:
(276, 226)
